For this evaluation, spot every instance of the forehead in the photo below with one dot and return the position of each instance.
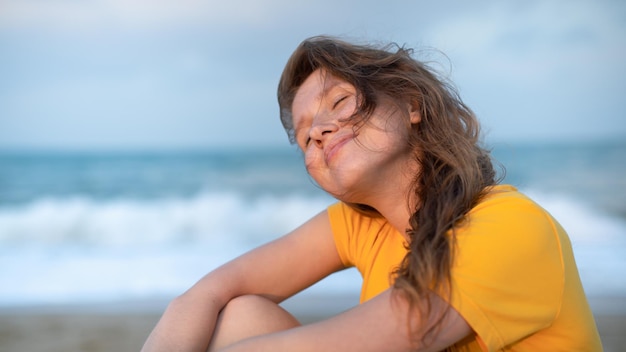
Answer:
(311, 93)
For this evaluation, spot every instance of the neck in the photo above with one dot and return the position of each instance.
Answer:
(397, 212)
(395, 201)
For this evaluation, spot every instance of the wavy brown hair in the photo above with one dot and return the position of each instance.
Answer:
(454, 169)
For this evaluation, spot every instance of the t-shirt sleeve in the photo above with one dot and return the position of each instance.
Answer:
(342, 228)
(508, 276)
(354, 234)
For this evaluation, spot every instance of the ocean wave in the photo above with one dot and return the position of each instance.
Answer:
(207, 217)
(76, 249)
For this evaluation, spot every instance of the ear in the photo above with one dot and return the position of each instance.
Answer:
(414, 113)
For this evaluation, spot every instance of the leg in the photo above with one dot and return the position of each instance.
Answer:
(249, 316)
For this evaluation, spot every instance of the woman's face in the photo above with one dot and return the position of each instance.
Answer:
(352, 164)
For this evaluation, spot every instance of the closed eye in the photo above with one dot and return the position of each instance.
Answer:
(304, 143)
(339, 101)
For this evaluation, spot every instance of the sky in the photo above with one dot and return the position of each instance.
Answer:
(190, 74)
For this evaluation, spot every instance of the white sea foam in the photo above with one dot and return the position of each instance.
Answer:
(81, 250)
(215, 217)
(77, 249)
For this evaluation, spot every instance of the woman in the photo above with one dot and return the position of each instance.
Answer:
(450, 259)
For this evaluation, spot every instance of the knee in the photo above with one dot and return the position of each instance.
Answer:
(248, 316)
(255, 308)
(246, 305)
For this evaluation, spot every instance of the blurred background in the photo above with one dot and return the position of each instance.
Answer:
(140, 144)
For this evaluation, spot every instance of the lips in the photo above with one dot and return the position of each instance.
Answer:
(334, 145)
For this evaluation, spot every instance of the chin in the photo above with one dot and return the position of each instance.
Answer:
(347, 197)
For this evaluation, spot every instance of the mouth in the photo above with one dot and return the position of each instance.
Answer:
(333, 147)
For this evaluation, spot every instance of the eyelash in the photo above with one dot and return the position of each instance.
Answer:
(339, 101)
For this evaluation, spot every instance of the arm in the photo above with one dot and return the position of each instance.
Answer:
(276, 270)
(377, 325)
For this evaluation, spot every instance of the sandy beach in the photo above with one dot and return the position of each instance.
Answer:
(125, 326)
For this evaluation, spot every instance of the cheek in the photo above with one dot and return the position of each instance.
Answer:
(311, 161)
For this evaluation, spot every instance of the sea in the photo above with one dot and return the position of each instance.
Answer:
(97, 227)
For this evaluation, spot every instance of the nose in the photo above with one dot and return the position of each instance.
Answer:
(321, 131)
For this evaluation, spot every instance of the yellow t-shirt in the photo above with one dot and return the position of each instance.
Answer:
(514, 278)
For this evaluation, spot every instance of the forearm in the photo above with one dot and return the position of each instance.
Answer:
(275, 271)
(380, 324)
(186, 325)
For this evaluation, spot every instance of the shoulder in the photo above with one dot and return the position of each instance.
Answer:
(505, 211)
(505, 199)
(513, 232)
(508, 274)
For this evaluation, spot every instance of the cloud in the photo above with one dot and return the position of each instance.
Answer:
(192, 72)
(535, 37)
(539, 69)
(137, 14)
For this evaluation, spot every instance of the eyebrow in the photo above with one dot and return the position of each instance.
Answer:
(334, 82)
